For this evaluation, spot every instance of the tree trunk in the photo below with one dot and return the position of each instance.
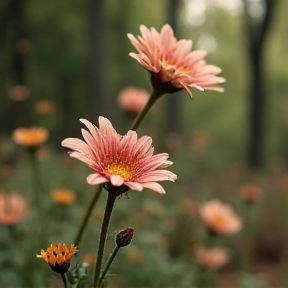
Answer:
(18, 34)
(256, 34)
(173, 103)
(19, 109)
(99, 89)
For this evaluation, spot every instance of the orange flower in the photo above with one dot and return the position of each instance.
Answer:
(136, 257)
(13, 208)
(44, 107)
(58, 257)
(172, 65)
(30, 137)
(220, 218)
(133, 99)
(212, 258)
(63, 196)
(251, 194)
(19, 93)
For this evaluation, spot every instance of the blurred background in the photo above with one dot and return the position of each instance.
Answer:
(61, 61)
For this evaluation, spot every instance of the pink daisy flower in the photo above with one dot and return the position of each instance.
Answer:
(172, 64)
(13, 208)
(220, 217)
(212, 257)
(120, 162)
(132, 99)
(251, 194)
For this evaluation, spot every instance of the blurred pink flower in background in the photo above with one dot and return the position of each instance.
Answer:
(44, 107)
(251, 194)
(132, 99)
(172, 65)
(122, 162)
(13, 208)
(23, 46)
(201, 141)
(19, 93)
(220, 218)
(212, 257)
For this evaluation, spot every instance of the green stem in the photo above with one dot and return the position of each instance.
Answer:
(87, 215)
(108, 264)
(40, 195)
(154, 96)
(108, 211)
(249, 237)
(63, 276)
(36, 180)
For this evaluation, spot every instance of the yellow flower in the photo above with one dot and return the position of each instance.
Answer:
(30, 137)
(58, 257)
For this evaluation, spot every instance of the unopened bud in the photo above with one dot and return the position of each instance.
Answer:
(124, 237)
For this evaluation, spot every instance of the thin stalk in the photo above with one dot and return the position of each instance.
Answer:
(36, 180)
(63, 276)
(249, 236)
(39, 196)
(154, 96)
(108, 211)
(87, 215)
(108, 264)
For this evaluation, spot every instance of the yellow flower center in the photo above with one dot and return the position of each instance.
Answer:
(123, 170)
(220, 220)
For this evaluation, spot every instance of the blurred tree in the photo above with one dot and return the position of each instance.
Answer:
(256, 32)
(15, 38)
(173, 115)
(18, 35)
(99, 63)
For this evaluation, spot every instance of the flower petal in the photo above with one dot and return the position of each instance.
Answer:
(95, 179)
(134, 186)
(116, 180)
(155, 187)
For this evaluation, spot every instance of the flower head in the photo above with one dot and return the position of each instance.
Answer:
(32, 137)
(121, 162)
(212, 258)
(58, 257)
(172, 64)
(19, 93)
(220, 218)
(44, 107)
(251, 194)
(124, 237)
(63, 196)
(13, 208)
(133, 99)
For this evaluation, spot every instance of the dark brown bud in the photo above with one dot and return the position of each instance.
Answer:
(124, 237)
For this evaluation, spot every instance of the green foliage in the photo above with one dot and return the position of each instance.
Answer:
(58, 68)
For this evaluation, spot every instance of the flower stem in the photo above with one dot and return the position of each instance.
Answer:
(249, 237)
(36, 180)
(108, 211)
(39, 196)
(108, 264)
(87, 215)
(154, 96)
(64, 279)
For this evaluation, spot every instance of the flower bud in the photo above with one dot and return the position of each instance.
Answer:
(124, 237)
